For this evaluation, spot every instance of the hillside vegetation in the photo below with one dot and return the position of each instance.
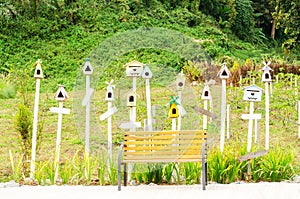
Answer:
(62, 33)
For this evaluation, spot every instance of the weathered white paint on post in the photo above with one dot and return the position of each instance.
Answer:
(228, 121)
(133, 109)
(180, 113)
(87, 70)
(276, 79)
(223, 115)
(147, 75)
(148, 100)
(267, 115)
(205, 107)
(58, 141)
(173, 124)
(109, 131)
(256, 131)
(180, 83)
(298, 119)
(87, 117)
(250, 127)
(38, 76)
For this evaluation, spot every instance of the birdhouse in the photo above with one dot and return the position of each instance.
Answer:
(38, 73)
(87, 68)
(131, 99)
(180, 82)
(206, 93)
(224, 72)
(173, 111)
(252, 93)
(134, 69)
(109, 94)
(266, 77)
(61, 95)
(146, 74)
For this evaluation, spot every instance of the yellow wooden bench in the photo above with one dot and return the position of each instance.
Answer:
(163, 146)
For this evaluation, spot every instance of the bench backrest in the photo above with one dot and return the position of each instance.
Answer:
(163, 146)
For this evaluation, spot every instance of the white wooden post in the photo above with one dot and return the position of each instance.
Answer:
(205, 106)
(87, 70)
(87, 118)
(228, 121)
(180, 83)
(133, 108)
(38, 76)
(147, 74)
(109, 131)
(250, 126)
(223, 74)
(298, 119)
(180, 114)
(267, 122)
(58, 141)
(60, 95)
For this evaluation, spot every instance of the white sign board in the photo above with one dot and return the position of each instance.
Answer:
(108, 113)
(87, 97)
(252, 93)
(251, 116)
(130, 125)
(58, 110)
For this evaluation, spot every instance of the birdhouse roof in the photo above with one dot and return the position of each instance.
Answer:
(61, 94)
(253, 87)
(134, 63)
(267, 68)
(146, 73)
(224, 72)
(38, 73)
(87, 68)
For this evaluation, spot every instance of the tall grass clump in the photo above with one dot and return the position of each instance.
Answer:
(7, 91)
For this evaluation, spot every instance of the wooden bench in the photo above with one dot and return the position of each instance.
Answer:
(163, 147)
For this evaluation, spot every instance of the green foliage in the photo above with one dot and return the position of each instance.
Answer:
(23, 125)
(7, 91)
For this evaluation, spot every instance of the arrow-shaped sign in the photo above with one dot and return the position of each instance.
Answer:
(87, 97)
(58, 110)
(251, 116)
(130, 125)
(108, 113)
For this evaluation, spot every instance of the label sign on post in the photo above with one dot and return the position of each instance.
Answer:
(252, 93)
(251, 116)
(108, 113)
(130, 125)
(58, 110)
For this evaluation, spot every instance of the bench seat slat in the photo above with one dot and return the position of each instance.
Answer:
(161, 157)
(150, 153)
(164, 137)
(154, 133)
(162, 160)
(161, 142)
(163, 147)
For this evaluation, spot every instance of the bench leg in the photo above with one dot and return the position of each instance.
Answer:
(119, 167)
(125, 175)
(204, 168)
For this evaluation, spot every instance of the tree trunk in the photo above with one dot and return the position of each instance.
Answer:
(273, 29)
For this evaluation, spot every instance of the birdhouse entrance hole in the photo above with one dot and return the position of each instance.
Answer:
(224, 73)
(206, 93)
(267, 76)
(88, 69)
(146, 73)
(174, 111)
(60, 95)
(131, 99)
(109, 95)
(38, 71)
(180, 84)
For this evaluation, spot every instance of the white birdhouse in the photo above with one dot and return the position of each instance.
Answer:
(206, 93)
(146, 74)
(38, 73)
(224, 72)
(61, 94)
(131, 99)
(134, 69)
(87, 68)
(180, 82)
(266, 77)
(109, 94)
(252, 93)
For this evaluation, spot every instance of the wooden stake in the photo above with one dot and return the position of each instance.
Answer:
(223, 115)
(34, 127)
(267, 119)
(250, 127)
(87, 117)
(205, 116)
(228, 121)
(58, 141)
(148, 99)
(298, 119)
